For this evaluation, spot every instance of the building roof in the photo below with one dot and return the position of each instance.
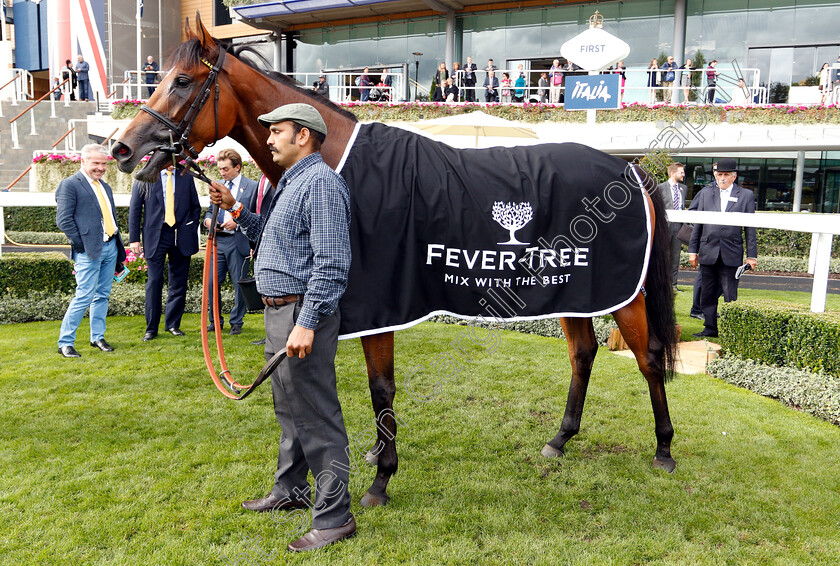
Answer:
(317, 13)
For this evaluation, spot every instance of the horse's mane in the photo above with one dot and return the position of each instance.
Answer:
(191, 52)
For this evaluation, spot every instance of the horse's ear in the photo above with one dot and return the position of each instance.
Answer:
(188, 32)
(204, 36)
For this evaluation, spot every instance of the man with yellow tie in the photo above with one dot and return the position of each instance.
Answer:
(85, 213)
(169, 213)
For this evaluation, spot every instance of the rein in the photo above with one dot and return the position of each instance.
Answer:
(184, 150)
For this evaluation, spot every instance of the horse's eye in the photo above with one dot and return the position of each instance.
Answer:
(182, 82)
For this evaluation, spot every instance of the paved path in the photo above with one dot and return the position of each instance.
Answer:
(692, 355)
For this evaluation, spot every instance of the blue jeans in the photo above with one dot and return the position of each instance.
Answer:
(94, 278)
(84, 90)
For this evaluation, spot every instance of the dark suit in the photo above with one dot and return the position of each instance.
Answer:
(491, 86)
(720, 249)
(179, 243)
(667, 194)
(79, 216)
(469, 81)
(234, 251)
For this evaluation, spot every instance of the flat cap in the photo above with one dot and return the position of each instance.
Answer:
(303, 114)
(727, 165)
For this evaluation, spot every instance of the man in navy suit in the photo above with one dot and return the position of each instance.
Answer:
(82, 68)
(719, 250)
(673, 193)
(233, 247)
(260, 204)
(169, 212)
(85, 213)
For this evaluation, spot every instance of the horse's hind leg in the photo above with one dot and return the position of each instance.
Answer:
(379, 355)
(632, 321)
(583, 346)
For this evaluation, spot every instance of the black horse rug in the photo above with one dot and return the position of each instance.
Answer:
(508, 233)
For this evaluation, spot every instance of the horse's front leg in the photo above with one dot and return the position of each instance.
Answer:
(379, 355)
(583, 346)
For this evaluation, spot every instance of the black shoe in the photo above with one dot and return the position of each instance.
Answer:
(69, 352)
(175, 331)
(697, 316)
(149, 336)
(235, 329)
(705, 334)
(319, 538)
(272, 503)
(678, 290)
(212, 327)
(258, 342)
(102, 345)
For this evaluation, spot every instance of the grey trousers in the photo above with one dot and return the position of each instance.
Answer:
(308, 411)
(676, 246)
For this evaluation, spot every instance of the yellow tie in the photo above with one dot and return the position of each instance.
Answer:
(107, 217)
(170, 200)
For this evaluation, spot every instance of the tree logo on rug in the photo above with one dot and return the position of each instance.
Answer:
(512, 216)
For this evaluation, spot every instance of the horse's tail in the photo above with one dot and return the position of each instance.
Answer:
(659, 300)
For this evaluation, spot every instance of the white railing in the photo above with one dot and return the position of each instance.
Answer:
(823, 228)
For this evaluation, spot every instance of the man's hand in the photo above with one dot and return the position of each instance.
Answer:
(229, 225)
(221, 196)
(692, 259)
(300, 342)
(753, 263)
(136, 248)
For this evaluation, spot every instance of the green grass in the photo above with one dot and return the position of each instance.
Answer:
(682, 306)
(134, 458)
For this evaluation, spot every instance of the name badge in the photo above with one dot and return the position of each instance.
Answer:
(732, 199)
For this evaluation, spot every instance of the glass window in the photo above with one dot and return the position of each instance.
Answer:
(803, 64)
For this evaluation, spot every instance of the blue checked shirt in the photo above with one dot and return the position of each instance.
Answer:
(304, 243)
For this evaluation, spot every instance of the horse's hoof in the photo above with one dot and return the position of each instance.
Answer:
(551, 452)
(371, 458)
(370, 500)
(667, 464)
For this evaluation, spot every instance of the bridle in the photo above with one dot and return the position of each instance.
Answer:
(183, 148)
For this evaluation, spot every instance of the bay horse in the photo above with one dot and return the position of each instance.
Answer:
(234, 93)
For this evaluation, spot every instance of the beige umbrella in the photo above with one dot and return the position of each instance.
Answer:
(476, 124)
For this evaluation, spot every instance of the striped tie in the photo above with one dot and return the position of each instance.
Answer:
(170, 200)
(107, 217)
(676, 197)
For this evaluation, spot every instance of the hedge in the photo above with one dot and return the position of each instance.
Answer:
(125, 300)
(549, 327)
(815, 393)
(42, 218)
(49, 272)
(778, 333)
(52, 272)
(776, 263)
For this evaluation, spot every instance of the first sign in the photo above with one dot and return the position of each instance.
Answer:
(595, 49)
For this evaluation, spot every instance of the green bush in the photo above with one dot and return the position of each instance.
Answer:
(125, 300)
(776, 263)
(817, 394)
(781, 334)
(49, 272)
(549, 327)
(42, 219)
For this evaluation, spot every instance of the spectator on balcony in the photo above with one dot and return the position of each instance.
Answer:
(56, 94)
(322, 87)
(151, 69)
(457, 76)
(620, 69)
(491, 87)
(741, 96)
(450, 91)
(519, 88)
(365, 83)
(555, 74)
(685, 79)
(669, 68)
(652, 80)
(440, 81)
(825, 81)
(835, 80)
(68, 72)
(82, 68)
(543, 87)
(506, 90)
(469, 80)
(711, 81)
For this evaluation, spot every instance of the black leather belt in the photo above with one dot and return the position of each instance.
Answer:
(280, 301)
(223, 235)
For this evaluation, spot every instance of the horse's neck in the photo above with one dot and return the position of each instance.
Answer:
(259, 94)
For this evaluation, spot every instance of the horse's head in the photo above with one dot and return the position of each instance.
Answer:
(177, 111)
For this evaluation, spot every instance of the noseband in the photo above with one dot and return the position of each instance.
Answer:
(183, 148)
